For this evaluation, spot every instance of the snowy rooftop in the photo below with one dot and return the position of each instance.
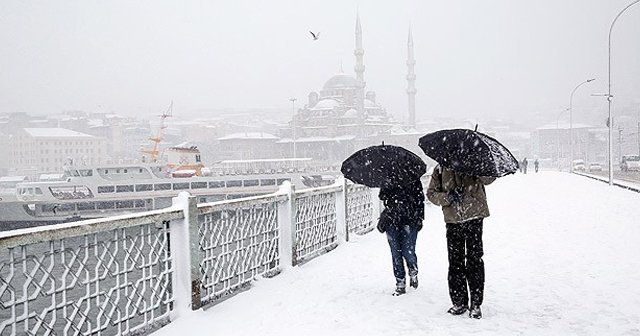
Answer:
(12, 178)
(248, 135)
(318, 139)
(563, 125)
(55, 132)
(560, 257)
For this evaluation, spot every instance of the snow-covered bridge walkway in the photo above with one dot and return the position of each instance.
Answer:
(561, 257)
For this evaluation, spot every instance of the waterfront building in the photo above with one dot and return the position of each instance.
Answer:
(46, 150)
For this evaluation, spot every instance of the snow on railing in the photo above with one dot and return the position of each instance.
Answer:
(238, 241)
(361, 209)
(316, 221)
(131, 274)
(108, 277)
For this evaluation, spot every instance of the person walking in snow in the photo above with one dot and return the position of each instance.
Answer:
(524, 165)
(401, 220)
(464, 205)
(536, 164)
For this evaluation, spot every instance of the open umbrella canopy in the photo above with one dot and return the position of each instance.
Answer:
(469, 152)
(376, 166)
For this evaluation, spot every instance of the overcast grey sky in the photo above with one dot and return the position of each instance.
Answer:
(474, 58)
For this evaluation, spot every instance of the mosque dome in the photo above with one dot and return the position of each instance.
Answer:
(326, 104)
(351, 113)
(340, 81)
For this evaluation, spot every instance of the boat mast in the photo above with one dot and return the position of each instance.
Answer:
(154, 152)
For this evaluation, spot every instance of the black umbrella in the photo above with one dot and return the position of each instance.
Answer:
(376, 166)
(469, 152)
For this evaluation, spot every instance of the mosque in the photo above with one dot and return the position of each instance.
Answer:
(342, 117)
(334, 122)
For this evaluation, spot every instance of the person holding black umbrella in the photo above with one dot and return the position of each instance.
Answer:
(396, 171)
(401, 220)
(464, 205)
(467, 161)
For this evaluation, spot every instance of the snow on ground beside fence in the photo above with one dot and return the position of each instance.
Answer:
(561, 257)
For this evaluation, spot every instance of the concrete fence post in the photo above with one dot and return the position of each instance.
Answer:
(342, 211)
(195, 255)
(287, 226)
(376, 203)
(181, 241)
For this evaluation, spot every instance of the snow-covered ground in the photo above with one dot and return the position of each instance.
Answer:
(561, 258)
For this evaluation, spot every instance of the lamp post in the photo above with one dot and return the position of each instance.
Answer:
(293, 111)
(609, 96)
(571, 121)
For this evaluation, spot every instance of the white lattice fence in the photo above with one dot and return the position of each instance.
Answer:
(104, 278)
(129, 274)
(316, 221)
(360, 210)
(239, 240)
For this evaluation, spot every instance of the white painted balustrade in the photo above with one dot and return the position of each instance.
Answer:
(129, 275)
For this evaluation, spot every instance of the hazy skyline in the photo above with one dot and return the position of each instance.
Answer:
(474, 59)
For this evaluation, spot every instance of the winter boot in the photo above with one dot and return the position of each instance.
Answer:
(475, 312)
(413, 281)
(400, 287)
(457, 310)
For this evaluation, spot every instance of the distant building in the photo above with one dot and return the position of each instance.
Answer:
(552, 141)
(248, 146)
(5, 154)
(44, 150)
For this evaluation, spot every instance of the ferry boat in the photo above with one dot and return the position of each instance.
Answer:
(86, 192)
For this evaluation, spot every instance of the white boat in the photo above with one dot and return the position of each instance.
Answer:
(90, 192)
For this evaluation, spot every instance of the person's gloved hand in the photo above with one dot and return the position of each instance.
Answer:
(456, 195)
(381, 228)
(383, 221)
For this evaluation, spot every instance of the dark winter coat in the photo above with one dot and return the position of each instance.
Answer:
(473, 201)
(403, 205)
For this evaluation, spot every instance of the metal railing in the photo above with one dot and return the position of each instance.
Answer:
(316, 219)
(361, 209)
(128, 275)
(238, 240)
(107, 277)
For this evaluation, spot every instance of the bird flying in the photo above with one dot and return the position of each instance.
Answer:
(315, 36)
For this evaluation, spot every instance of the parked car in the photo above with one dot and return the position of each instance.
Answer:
(630, 162)
(578, 165)
(595, 167)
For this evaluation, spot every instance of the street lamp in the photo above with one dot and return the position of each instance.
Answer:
(571, 121)
(609, 96)
(293, 111)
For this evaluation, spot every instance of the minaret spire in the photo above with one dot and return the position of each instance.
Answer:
(359, 69)
(411, 80)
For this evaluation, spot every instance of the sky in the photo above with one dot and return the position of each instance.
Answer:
(495, 58)
(550, 270)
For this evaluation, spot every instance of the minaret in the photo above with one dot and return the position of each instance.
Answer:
(359, 69)
(411, 81)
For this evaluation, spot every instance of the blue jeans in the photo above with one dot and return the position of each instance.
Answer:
(402, 241)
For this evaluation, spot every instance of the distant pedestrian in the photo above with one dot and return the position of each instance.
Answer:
(536, 164)
(464, 205)
(524, 165)
(401, 220)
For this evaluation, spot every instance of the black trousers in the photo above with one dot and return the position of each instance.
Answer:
(466, 268)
